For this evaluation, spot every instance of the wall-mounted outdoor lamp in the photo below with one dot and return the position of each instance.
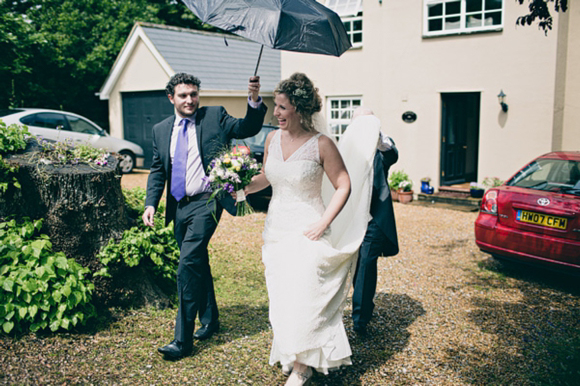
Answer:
(501, 96)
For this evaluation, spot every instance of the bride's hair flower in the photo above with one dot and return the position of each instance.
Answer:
(300, 93)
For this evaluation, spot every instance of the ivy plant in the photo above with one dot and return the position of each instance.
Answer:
(40, 289)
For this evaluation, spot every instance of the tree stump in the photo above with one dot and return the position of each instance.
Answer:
(82, 205)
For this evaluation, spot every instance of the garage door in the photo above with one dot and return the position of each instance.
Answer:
(142, 110)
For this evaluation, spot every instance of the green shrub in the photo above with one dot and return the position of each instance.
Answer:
(7, 176)
(135, 203)
(40, 289)
(155, 247)
(12, 138)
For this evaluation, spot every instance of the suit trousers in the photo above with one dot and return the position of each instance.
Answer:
(365, 277)
(194, 227)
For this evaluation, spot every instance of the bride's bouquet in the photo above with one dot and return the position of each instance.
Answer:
(231, 172)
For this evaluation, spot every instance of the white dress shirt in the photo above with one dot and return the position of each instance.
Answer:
(194, 183)
(193, 177)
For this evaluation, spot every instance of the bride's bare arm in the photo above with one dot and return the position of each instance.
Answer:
(336, 171)
(260, 181)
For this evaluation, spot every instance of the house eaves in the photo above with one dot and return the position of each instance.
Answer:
(222, 62)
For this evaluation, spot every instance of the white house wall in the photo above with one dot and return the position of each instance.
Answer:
(142, 72)
(567, 106)
(397, 70)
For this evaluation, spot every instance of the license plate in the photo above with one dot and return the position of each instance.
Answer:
(542, 219)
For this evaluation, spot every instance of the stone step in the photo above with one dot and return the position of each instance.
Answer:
(457, 199)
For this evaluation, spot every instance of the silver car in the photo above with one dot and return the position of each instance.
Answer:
(60, 125)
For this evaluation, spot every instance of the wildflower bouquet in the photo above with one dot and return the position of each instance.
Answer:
(231, 172)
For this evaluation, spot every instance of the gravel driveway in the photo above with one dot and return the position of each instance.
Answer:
(448, 314)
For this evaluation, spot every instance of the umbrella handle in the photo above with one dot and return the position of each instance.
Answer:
(259, 58)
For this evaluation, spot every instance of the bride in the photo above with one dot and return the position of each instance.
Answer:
(307, 267)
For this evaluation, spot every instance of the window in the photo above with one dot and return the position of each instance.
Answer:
(46, 120)
(350, 11)
(81, 126)
(340, 113)
(444, 17)
(353, 26)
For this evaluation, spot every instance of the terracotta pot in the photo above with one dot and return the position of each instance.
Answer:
(405, 197)
(394, 195)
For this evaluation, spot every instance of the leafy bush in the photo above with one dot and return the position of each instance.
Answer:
(12, 138)
(155, 247)
(396, 178)
(7, 176)
(40, 288)
(135, 203)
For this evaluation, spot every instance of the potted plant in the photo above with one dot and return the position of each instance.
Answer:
(405, 191)
(492, 182)
(476, 190)
(395, 179)
(425, 186)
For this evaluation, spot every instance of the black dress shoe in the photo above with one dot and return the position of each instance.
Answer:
(175, 350)
(207, 330)
(360, 329)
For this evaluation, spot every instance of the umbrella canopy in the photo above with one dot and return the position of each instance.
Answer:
(291, 25)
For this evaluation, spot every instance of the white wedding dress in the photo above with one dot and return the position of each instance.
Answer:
(308, 281)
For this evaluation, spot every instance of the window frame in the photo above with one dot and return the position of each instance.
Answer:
(352, 20)
(341, 121)
(463, 14)
(350, 12)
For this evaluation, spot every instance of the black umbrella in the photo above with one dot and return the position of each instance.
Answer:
(291, 25)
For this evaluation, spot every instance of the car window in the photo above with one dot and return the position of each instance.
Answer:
(46, 120)
(549, 174)
(79, 125)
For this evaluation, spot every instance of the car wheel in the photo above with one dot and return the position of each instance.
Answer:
(127, 161)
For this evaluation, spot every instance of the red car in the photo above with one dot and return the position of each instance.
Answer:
(535, 216)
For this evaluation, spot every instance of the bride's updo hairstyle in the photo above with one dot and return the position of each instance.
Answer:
(303, 96)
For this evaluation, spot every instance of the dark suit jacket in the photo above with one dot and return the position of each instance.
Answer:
(381, 201)
(215, 129)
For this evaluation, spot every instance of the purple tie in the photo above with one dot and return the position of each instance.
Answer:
(180, 162)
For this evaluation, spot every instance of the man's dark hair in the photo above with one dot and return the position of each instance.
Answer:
(181, 78)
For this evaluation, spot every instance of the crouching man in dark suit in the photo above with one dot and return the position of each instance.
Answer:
(183, 147)
(381, 236)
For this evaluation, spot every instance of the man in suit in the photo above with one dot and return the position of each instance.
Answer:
(183, 147)
(381, 236)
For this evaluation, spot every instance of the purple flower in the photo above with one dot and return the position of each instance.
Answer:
(228, 187)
